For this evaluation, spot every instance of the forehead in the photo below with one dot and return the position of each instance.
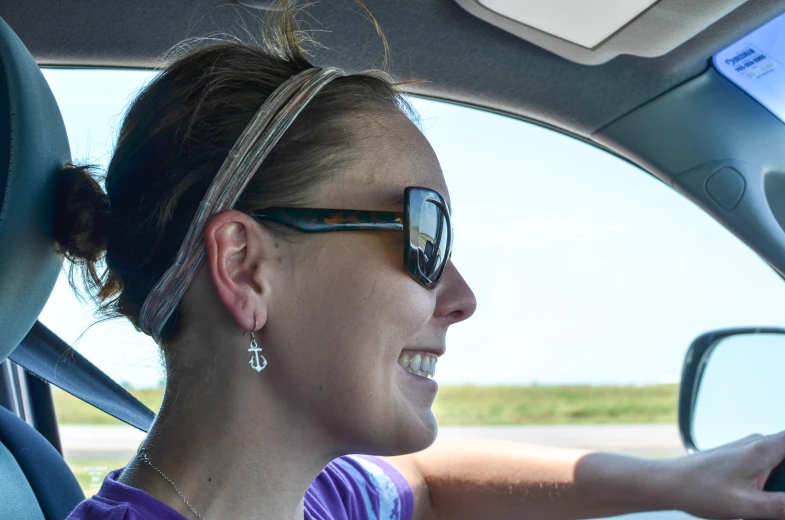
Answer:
(391, 154)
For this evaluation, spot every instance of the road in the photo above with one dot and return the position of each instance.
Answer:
(644, 440)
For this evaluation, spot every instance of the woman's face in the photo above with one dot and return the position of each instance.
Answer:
(346, 309)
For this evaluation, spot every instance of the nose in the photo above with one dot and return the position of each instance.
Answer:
(455, 300)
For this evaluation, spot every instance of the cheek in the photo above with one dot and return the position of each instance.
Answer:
(349, 309)
(355, 303)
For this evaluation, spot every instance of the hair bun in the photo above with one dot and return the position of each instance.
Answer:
(82, 218)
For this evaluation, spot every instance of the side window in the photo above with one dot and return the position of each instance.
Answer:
(591, 276)
(92, 103)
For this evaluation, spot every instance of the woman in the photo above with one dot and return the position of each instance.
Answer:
(294, 337)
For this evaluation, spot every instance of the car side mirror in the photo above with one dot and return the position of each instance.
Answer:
(733, 386)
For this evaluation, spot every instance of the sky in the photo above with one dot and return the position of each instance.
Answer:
(587, 270)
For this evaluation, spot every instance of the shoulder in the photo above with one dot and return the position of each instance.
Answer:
(102, 507)
(94, 508)
(360, 487)
(117, 501)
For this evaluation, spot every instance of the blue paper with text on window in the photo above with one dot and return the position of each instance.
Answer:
(756, 64)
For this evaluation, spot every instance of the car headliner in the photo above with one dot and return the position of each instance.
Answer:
(461, 58)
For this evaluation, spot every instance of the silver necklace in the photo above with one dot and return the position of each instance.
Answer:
(146, 460)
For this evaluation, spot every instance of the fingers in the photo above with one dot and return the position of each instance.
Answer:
(766, 506)
(768, 450)
(738, 443)
(769, 505)
(753, 460)
(777, 442)
(752, 438)
(764, 445)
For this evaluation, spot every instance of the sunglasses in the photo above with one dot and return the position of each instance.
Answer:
(425, 222)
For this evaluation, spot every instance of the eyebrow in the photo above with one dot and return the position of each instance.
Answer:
(397, 201)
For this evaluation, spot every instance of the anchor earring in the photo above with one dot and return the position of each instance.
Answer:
(257, 361)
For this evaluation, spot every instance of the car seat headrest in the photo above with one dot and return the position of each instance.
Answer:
(33, 150)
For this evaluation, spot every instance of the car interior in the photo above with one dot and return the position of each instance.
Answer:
(640, 84)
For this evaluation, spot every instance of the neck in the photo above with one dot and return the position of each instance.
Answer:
(232, 449)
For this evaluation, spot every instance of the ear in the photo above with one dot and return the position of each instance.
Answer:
(238, 252)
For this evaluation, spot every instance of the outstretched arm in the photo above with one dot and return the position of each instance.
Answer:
(470, 479)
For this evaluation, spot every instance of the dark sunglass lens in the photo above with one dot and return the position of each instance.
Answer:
(433, 237)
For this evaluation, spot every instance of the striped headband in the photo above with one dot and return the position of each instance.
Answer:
(245, 158)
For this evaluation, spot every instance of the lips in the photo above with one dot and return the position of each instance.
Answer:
(434, 351)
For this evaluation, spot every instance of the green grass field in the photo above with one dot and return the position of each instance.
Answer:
(480, 405)
(510, 405)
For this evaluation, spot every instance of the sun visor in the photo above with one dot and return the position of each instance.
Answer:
(592, 32)
(756, 64)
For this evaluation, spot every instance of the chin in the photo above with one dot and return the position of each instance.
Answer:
(430, 429)
(416, 434)
(408, 434)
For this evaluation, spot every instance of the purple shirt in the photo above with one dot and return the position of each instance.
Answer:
(355, 487)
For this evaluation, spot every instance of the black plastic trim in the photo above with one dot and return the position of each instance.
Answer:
(43, 409)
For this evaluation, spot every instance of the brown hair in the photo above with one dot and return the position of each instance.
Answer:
(173, 140)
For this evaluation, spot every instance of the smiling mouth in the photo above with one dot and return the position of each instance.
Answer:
(421, 364)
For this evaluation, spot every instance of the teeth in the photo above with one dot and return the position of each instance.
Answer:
(423, 365)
